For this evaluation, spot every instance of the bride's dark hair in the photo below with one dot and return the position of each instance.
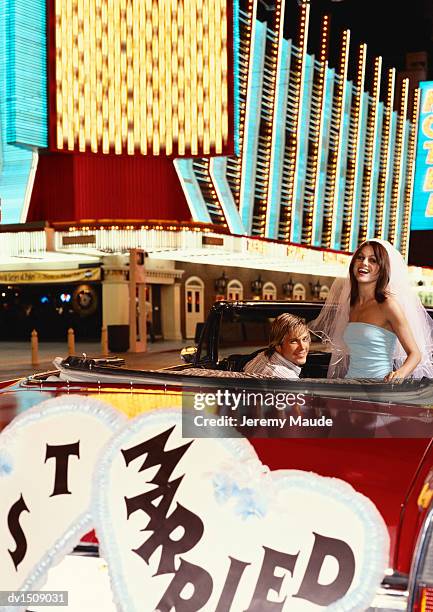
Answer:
(382, 258)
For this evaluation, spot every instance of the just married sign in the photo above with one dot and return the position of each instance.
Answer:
(184, 524)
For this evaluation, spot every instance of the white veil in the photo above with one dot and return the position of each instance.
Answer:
(334, 317)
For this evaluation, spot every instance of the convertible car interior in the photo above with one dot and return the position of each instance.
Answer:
(316, 366)
(242, 330)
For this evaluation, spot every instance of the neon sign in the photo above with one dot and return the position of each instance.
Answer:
(146, 78)
(422, 209)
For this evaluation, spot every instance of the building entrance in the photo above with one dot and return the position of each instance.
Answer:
(51, 310)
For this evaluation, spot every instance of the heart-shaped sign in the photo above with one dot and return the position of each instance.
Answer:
(201, 524)
(47, 458)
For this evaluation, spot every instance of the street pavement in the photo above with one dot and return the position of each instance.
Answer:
(15, 357)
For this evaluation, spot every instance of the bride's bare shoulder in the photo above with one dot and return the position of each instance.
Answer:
(391, 307)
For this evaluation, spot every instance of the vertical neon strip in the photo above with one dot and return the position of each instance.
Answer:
(236, 80)
(182, 75)
(206, 80)
(200, 76)
(74, 119)
(354, 227)
(310, 215)
(87, 100)
(191, 98)
(172, 73)
(210, 193)
(93, 109)
(302, 108)
(135, 75)
(69, 68)
(403, 177)
(388, 186)
(353, 154)
(59, 79)
(398, 164)
(375, 150)
(344, 148)
(410, 174)
(403, 180)
(286, 225)
(260, 213)
(213, 85)
(153, 82)
(384, 171)
(170, 81)
(81, 109)
(303, 149)
(341, 97)
(371, 229)
(334, 148)
(277, 136)
(120, 100)
(217, 172)
(224, 78)
(116, 45)
(192, 191)
(234, 162)
(303, 40)
(321, 187)
(141, 90)
(162, 63)
(244, 60)
(252, 123)
(367, 205)
(123, 86)
(218, 95)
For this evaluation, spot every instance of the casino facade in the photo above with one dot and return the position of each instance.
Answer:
(200, 133)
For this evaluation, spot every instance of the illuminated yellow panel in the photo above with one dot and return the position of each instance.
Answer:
(142, 76)
(135, 402)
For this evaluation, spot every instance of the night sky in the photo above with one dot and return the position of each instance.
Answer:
(387, 28)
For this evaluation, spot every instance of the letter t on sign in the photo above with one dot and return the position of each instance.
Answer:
(61, 454)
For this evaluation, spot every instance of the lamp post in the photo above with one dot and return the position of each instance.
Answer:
(315, 289)
(220, 286)
(288, 288)
(256, 288)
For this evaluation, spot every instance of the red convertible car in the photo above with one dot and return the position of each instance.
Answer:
(380, 440)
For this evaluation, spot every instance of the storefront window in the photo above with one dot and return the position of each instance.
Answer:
(269, 291)
(235, 290)
(299, 293)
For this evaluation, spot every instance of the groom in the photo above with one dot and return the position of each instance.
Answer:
(287, 352)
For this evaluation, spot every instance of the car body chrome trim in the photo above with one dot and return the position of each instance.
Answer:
(419, 554)
(391, 600)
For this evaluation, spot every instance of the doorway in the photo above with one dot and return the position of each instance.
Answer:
(194, 305)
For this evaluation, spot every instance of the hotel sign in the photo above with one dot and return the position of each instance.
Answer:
(50, 276)
(422, 207)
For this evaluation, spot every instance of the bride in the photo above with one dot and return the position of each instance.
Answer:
(374, 321)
